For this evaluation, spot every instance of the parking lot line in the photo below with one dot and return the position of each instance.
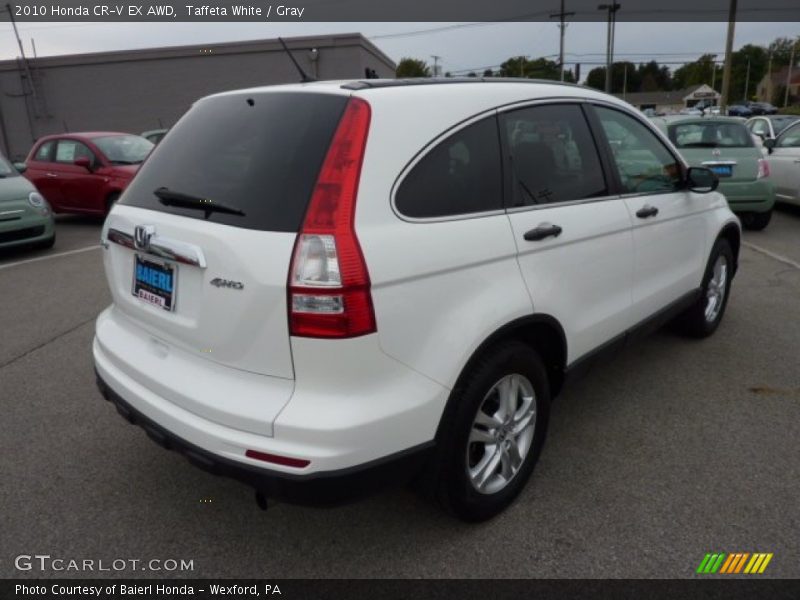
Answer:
(778, 257)
(49, 256)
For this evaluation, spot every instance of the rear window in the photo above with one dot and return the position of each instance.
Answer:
(258, 153)
(710, 135)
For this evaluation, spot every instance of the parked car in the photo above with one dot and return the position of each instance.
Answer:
(690, 110)
(769, 126)
(25, 217)
(761, 108)
(739, 110)
(85, 172)
(784, 163)
(443, 279)
(155, 135)
(726, 147)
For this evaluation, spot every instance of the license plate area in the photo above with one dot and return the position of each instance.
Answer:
(722, 170)
(154, 282)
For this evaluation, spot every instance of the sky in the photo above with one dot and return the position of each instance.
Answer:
(462, 46)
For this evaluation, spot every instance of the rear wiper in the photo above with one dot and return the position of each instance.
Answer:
(169, 198)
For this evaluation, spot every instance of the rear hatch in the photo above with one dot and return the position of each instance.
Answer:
(726, 147)
(199, 246)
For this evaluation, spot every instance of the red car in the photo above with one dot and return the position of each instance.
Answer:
(85, 172)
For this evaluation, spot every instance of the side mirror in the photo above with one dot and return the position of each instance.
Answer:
(83, 162)
(21, 167)
(701, 180)
(769, 144)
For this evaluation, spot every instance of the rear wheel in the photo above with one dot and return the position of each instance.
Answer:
(703, 318)
(756, 221)
(493, 437)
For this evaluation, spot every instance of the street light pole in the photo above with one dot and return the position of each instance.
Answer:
(612, 11)
(789, 75)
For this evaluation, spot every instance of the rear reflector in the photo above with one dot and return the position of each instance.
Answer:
(278, 460)
(329, 287)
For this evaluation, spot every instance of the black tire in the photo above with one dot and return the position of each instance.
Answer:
(756, 221)
(695, 322)
(450, 480)
(111, 201)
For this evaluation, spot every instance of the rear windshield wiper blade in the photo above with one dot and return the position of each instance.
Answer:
(169, 198)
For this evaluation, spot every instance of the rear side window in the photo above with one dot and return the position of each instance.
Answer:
(260, 154)
(711, 135)
(554, 158)
(460, 176)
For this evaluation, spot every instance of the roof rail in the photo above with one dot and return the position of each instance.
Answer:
(388, 83)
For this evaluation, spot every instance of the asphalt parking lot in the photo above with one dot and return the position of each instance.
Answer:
(675, 449)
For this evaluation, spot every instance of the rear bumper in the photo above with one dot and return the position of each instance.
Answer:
(321, 488)
(751, 196)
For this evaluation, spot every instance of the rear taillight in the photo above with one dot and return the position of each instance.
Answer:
(329, 289)
(763, 168)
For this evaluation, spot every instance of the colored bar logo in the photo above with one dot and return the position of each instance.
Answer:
(735, 563)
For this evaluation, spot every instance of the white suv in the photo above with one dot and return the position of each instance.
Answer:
(320, 287)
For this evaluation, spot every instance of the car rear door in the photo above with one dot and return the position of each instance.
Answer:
(784, 164)
(43, 172)
(668, 223)
(574, 241)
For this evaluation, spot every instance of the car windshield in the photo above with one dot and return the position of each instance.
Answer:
(123, 149)
(710, 135)
(6, 170)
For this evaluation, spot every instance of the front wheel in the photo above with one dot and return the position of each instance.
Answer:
(494, 434)
(756, 221)
(703, 318)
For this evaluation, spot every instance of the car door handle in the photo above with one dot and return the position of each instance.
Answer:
(542, 231)
(51, 175)
(647, 211)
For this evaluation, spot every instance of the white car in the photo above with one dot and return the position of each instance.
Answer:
(784, 164)
(322, 287)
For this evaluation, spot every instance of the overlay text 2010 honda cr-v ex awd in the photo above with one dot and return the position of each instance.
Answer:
(322, 287)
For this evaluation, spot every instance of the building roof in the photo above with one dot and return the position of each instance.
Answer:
(660, 97)
(244, 47)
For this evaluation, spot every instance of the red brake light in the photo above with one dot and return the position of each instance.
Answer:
(763, 168)
(329, 287)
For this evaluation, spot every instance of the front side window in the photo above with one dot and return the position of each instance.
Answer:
(643, 163)
(759, 127)
(790, 138)
(553, 155)
(45, 152)
(68, 151)
(462, 175)
(710, 134)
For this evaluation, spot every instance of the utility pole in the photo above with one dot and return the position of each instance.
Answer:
(521, 65)
(789, 75)
(769, 78)
(747, 79)
(612, 17)
(436, 60)
(563, 26)
(713, 71)
(726, 70)
(625, 82)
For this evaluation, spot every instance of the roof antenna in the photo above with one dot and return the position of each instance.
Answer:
(303, 77)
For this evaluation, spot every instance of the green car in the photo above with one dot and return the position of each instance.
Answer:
(25, 216)
(725, 145)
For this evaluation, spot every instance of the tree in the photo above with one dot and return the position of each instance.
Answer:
(630, 81)
(412, 67)
(653, 78)
(540, 68)
(488, 73)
